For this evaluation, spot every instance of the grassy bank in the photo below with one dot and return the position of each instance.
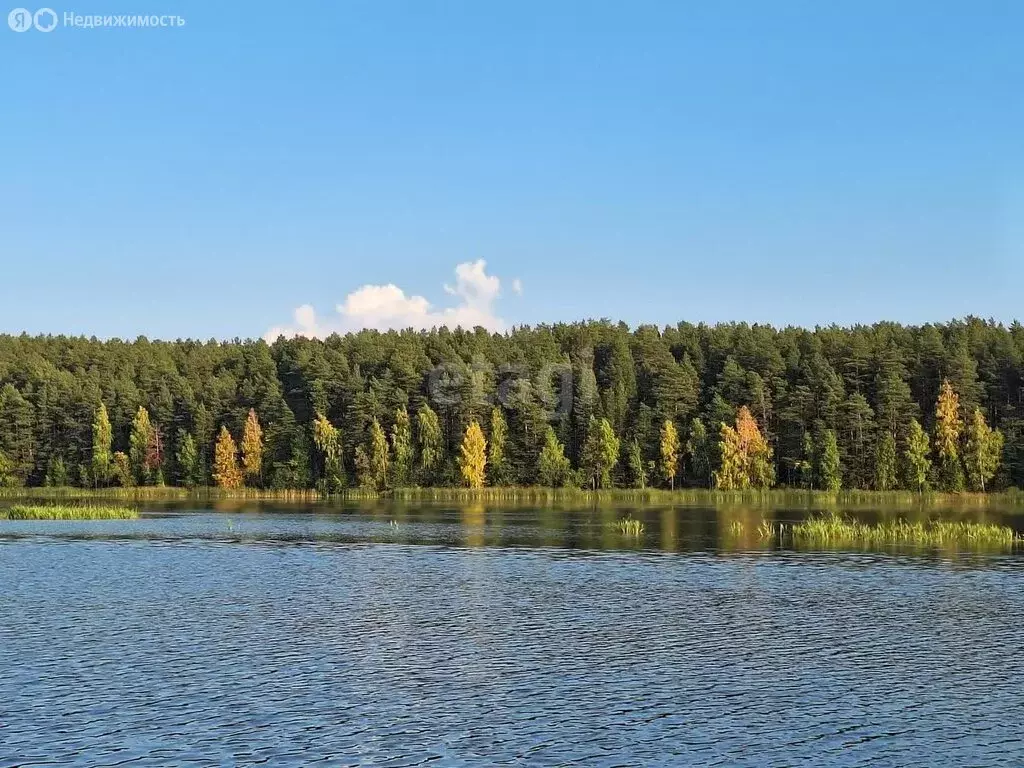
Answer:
(795, 499)
(67, 512)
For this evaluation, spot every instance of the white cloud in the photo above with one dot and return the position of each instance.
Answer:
(517, 287)
(386, 306)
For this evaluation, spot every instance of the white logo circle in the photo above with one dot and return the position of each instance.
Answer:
(20, 19)
(40, 19)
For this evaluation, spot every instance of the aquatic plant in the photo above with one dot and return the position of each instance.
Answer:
(629, 527)
(67, 512)
(834, 530)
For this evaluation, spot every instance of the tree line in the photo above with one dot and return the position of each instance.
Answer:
(594, 404)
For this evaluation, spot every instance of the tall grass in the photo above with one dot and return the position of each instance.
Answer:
(838, 531)
(628, 527)
(67, 512)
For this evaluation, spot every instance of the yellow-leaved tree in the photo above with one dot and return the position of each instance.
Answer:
(473, 456)
(252, 449)
(746, 457)
(226, 471)
(669, 453)
(948, 427)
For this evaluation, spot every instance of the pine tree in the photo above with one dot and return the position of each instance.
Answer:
(669, 453)
(252, 449)
(430, 443)
(918, 465)
(948, 427)
(553, 465)
(226, 471)
(378, 455)
(189, 466)
(829, 472)
(983, 452)
(139, 444)
(102, 443)
(401, 448)
(327, 440)
(364, 470)
(473, 456)
(885, 462)
(496, 448)
(600, 453)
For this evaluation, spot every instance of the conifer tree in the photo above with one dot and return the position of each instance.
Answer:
(698, 448)
(252, 449)
(948, 427)
(600, 453)
(885, 462)
(983, 451)
(188, 461)
(669, 453)
(226, 471)
(636, 464)
(102, 444)
(829, 472)
(918, 465)
(401, 448)
(364, 470)
(473, 456)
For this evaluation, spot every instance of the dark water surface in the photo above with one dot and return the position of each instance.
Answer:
(397, 636)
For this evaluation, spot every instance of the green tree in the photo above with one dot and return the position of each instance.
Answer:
(252, 449)
(327, 439)
(102, 446)
(378, 455)
(430, 443)
(983, 452)
(8, 477)
(885, 462)
(122, 470)
(829, 472)
(496, 462)
(669, 453)
(401, 447)
(600, 453)
(916, 460)
(140, 446)
(473, 456)
(637, 469)
(553, 465)
(189, 463)
(698, 448)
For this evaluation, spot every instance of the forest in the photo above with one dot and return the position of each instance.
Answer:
(590, 404)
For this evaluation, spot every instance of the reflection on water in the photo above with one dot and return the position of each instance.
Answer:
(480, 635)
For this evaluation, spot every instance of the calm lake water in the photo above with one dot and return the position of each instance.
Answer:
(406, 635)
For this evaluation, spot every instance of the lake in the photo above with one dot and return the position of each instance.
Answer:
(408, 634)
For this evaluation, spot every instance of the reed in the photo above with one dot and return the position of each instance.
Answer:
(837, 531)
(67, 512)
(629, 527)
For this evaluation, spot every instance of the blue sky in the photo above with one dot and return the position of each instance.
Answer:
(784, 162)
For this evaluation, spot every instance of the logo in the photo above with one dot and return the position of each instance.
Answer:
(45, 20)
(22, 19)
